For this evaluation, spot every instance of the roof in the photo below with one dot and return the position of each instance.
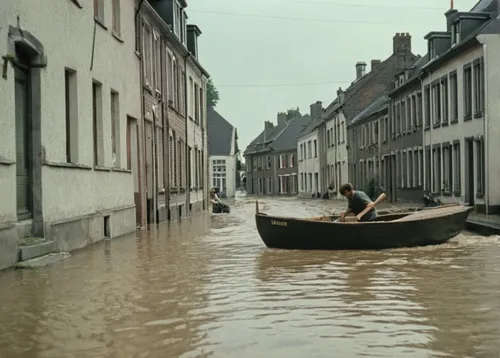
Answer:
(219, 132)
(278, 138)
(377, 106)
(415, 72)
(491, 26)
(287, 140)
(368, 88)
(313, 124)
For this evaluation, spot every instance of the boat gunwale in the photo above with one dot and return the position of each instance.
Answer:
(458, 209)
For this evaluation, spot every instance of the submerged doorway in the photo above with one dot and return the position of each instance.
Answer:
(23, 137)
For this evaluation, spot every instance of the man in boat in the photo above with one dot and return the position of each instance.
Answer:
(359, 204)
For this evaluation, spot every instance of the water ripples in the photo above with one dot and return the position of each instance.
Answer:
(209, 287)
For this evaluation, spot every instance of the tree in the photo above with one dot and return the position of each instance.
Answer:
(212, 93)
(293, 113)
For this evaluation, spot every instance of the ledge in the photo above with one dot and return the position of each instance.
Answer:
(454, 121)
(479, 195)
(121, 170)
(66, 165)
(77, 3)
(478, 115)
(5, 161)
(468, 118)
(117, 37)
(457, 193)
(100, 23)
(102, 169)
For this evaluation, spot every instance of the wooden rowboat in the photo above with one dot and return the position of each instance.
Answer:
(419, 228)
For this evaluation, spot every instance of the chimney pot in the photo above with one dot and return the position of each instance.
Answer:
(360, 69)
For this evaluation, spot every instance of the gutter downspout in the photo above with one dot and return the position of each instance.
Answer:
(429, 185)
(141, 165)
(186, 146)
(485, 127)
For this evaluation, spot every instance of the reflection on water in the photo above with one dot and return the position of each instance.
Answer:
(209, 287)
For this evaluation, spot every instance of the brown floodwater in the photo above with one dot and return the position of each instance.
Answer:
(209, 287)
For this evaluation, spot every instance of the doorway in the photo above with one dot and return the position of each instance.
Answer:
(23, 138)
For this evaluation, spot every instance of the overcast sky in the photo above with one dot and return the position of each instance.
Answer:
(266, 56)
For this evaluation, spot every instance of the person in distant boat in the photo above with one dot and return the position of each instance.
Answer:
(214, 199)
(359, 204)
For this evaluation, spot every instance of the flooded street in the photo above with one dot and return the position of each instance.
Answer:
(209, 287)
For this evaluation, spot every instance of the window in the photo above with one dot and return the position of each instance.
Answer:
(269, 185)
(268, 162)
(159, 159)
(419, 109)
(156, 62)
(420, 167)
(97, 127)
(170, 78)
(467, 92)
(315, 148)
(447, 169)
(115, 129)
(115, 5)
(291, 161)
(427, 168)
(411, 170)
(456, 168)
(147, 55)
(413, 116)
(454, 96)
(196, 104)
(386, 128)
(302, 181)
(403, 116)
(310, 182)
(455, 33)
(177, 19)
(71, 104)
(393, 120)
(283, 163)
(175, 86)
(398, 118)
(437, 185)
(480, 169)
(174, 160)
(436, 95)
(444, 96)
(283, 184)
(309, 149)
(99, 10)
(478, 87)
(202, 107)
(427, 104)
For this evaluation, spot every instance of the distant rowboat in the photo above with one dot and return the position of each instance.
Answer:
(420, 228)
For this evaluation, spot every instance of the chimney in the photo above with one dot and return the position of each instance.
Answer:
(340, 95)
(281, 118)
(375, 63)
(268, 125)
(360, 69)
(193, 32)
(316, 109)
(401, 41)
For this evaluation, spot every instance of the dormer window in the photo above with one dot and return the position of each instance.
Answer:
(180, 21)
(455, 36)
(432, 49)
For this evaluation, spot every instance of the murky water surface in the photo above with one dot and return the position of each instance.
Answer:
(209, 287)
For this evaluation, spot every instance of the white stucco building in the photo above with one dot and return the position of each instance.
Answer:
(336, 152)
(461, 109)
(224, 154)
(309, 154)
(70, 98)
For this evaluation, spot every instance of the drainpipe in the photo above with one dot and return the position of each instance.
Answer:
(485, 128)
(186, 146)
(430, 128)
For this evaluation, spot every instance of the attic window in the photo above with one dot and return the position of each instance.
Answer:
(455, 33)
(432, 49)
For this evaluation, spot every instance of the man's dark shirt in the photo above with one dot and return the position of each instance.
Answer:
(358, 203)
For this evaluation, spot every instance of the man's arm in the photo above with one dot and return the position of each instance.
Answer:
(368, 205)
